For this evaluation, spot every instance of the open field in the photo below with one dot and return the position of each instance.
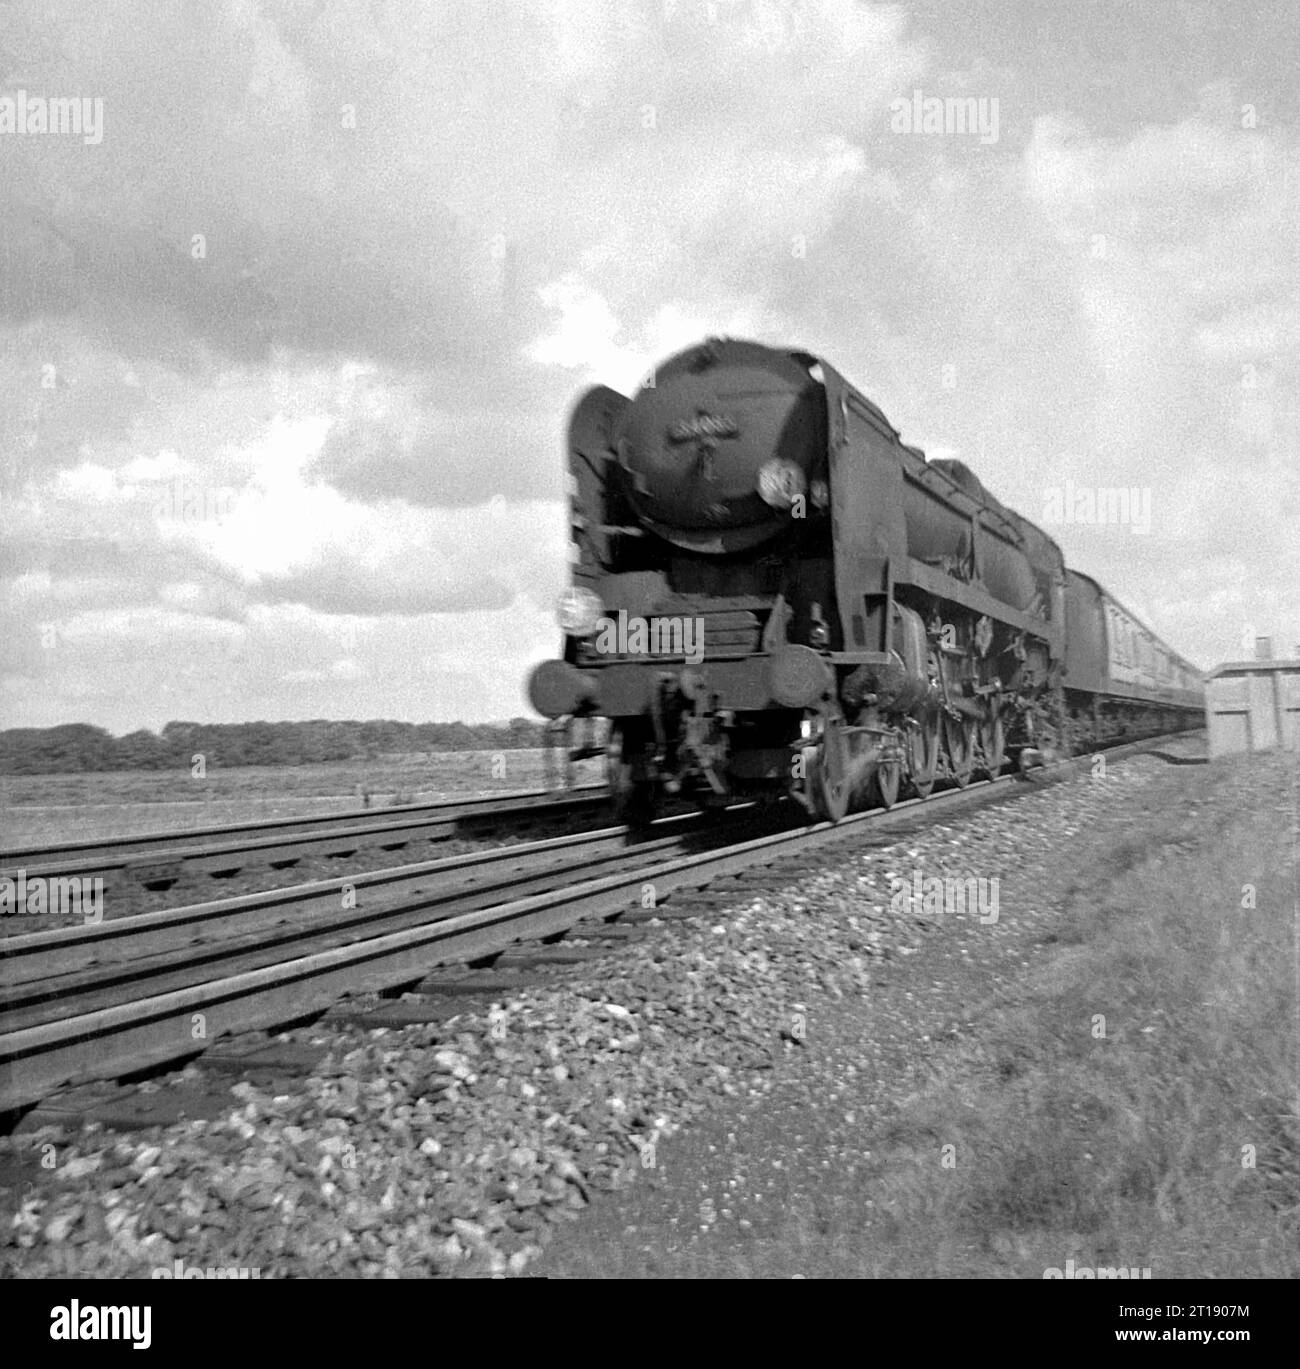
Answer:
(35, 809)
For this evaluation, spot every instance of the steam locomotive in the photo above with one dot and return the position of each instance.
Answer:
(771, 593)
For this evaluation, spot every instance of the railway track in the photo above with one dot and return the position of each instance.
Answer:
(157, 860)
(85, 1003)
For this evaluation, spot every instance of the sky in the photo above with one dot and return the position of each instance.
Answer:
(290, 324)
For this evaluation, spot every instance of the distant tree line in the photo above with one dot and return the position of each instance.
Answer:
(79, 746)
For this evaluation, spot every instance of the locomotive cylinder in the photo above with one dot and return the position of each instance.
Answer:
(798, 677)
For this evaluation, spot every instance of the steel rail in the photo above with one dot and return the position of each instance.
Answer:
(51, 967)
(154, 857)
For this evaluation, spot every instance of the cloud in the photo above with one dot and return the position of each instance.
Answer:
(286, 360)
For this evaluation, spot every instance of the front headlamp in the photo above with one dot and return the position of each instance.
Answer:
(579, 611)
(780, 482)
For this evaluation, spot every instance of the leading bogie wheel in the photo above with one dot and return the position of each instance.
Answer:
(994, 742)
(827, 771)
(885, 782)
(632, 793)
(959, 744)
(923, 757)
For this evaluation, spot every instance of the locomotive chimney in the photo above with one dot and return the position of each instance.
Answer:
(1263, 648)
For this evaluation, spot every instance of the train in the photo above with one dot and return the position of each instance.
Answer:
(772, 595)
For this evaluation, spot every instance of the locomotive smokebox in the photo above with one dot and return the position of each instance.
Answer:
(900, 680)
(723, 447)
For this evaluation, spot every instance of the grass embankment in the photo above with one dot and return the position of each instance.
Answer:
(1172, 1142)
